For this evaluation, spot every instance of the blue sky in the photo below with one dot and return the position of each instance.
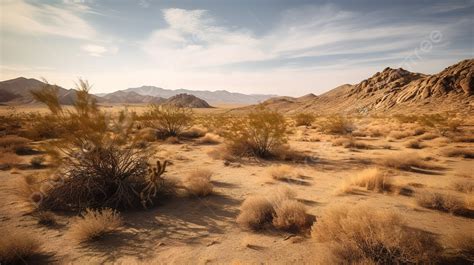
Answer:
(278, 47)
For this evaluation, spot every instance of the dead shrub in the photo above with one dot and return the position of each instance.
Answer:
(8, 160)
(442, 202)
(336, 124)
(458, 152)
(209, 139)
(304, 119)
(168, 120)
(255, 213)
(93, 224)
(359, 235)
(466, 186)
(290, 215)
(407, 162)
(415, 144)
(373, 179)
(198, 183)
(259, 134)
(18, 245)
(462, 244)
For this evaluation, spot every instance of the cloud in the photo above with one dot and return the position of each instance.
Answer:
(42, 19)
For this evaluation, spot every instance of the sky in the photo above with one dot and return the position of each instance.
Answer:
(291, 47)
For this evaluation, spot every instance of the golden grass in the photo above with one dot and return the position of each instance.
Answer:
(466, 186)
(282, 172)
(462, 243)
(198, 182)
(442, 202)
(8, 160)
(94, 224)
(399, 134)
(373, 179)
(360, 235)
(17, 245)
(407, 162)
(255, 213)
(290, 215)
(415, 144)
(209, 139)
(458, 152)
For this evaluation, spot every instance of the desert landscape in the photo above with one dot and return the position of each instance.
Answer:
(379, 171)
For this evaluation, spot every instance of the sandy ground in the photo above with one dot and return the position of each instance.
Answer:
(203, 230)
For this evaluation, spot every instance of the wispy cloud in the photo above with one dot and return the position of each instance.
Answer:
(43, 19)
(98, 50)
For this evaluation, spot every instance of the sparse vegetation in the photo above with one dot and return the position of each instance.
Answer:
(360, 235)
(466, 186)
(442, 202)
(415, 144)
(260, 134)
(407, 162)
(17, 245)
(336, 124)
(94, 224)
(255, 213)
(168, 120)
(209, 139)
(290, 215)
(304, 119)
(373, 179)
(198, 182)
(458, 152)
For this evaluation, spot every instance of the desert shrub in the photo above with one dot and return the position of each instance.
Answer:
(282, 172)
(97, 167)
(45, 218)
(336, 124)
(168, 120)
(146, 134)
(458, 152)
(462, 244)
(373, 179)
(443, 123)
(37, 161)
(466, 186)
(93, 224)
(209, 139)
(407, 162)
(290, 215)
(442, 202)
(415, 144)
(8, 160)
(359, 235)
(304, 119)
(198, 182)
(11, 142)
(17, 245)
(255, 213)
(193, 133)
(258, 134)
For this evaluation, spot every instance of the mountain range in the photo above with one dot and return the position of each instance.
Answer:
(388, 90)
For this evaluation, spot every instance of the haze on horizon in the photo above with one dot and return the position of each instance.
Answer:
(267, 47)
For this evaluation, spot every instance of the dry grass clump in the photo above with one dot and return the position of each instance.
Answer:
(373, 179)
(337, 124)
(290, 215)
(172, 140)
(282, 172)
(407, 162)
(17, 245)
(428, 136)
(466, 186)
(168, 120)
(46, 218)
(146, 134)
(350, 143)
(209, 139)
(399, 134)
(255, 213)
(8, 160)
(11, 142)
(192, 133)
(261, 133)
(458, 152)
(304, 119)
(359, 235)
(462, 244)
(443, 202)
(198, 183)
(415, 144)
(281, 211)
(95, 223)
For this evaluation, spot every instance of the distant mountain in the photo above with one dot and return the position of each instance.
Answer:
(130, 97)
(392, 90)
(213, 97)
(186, 100)
(18, 91)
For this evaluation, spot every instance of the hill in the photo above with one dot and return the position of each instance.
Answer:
(130, 97)
(213, 97)
(392, 90)
(185, 100)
